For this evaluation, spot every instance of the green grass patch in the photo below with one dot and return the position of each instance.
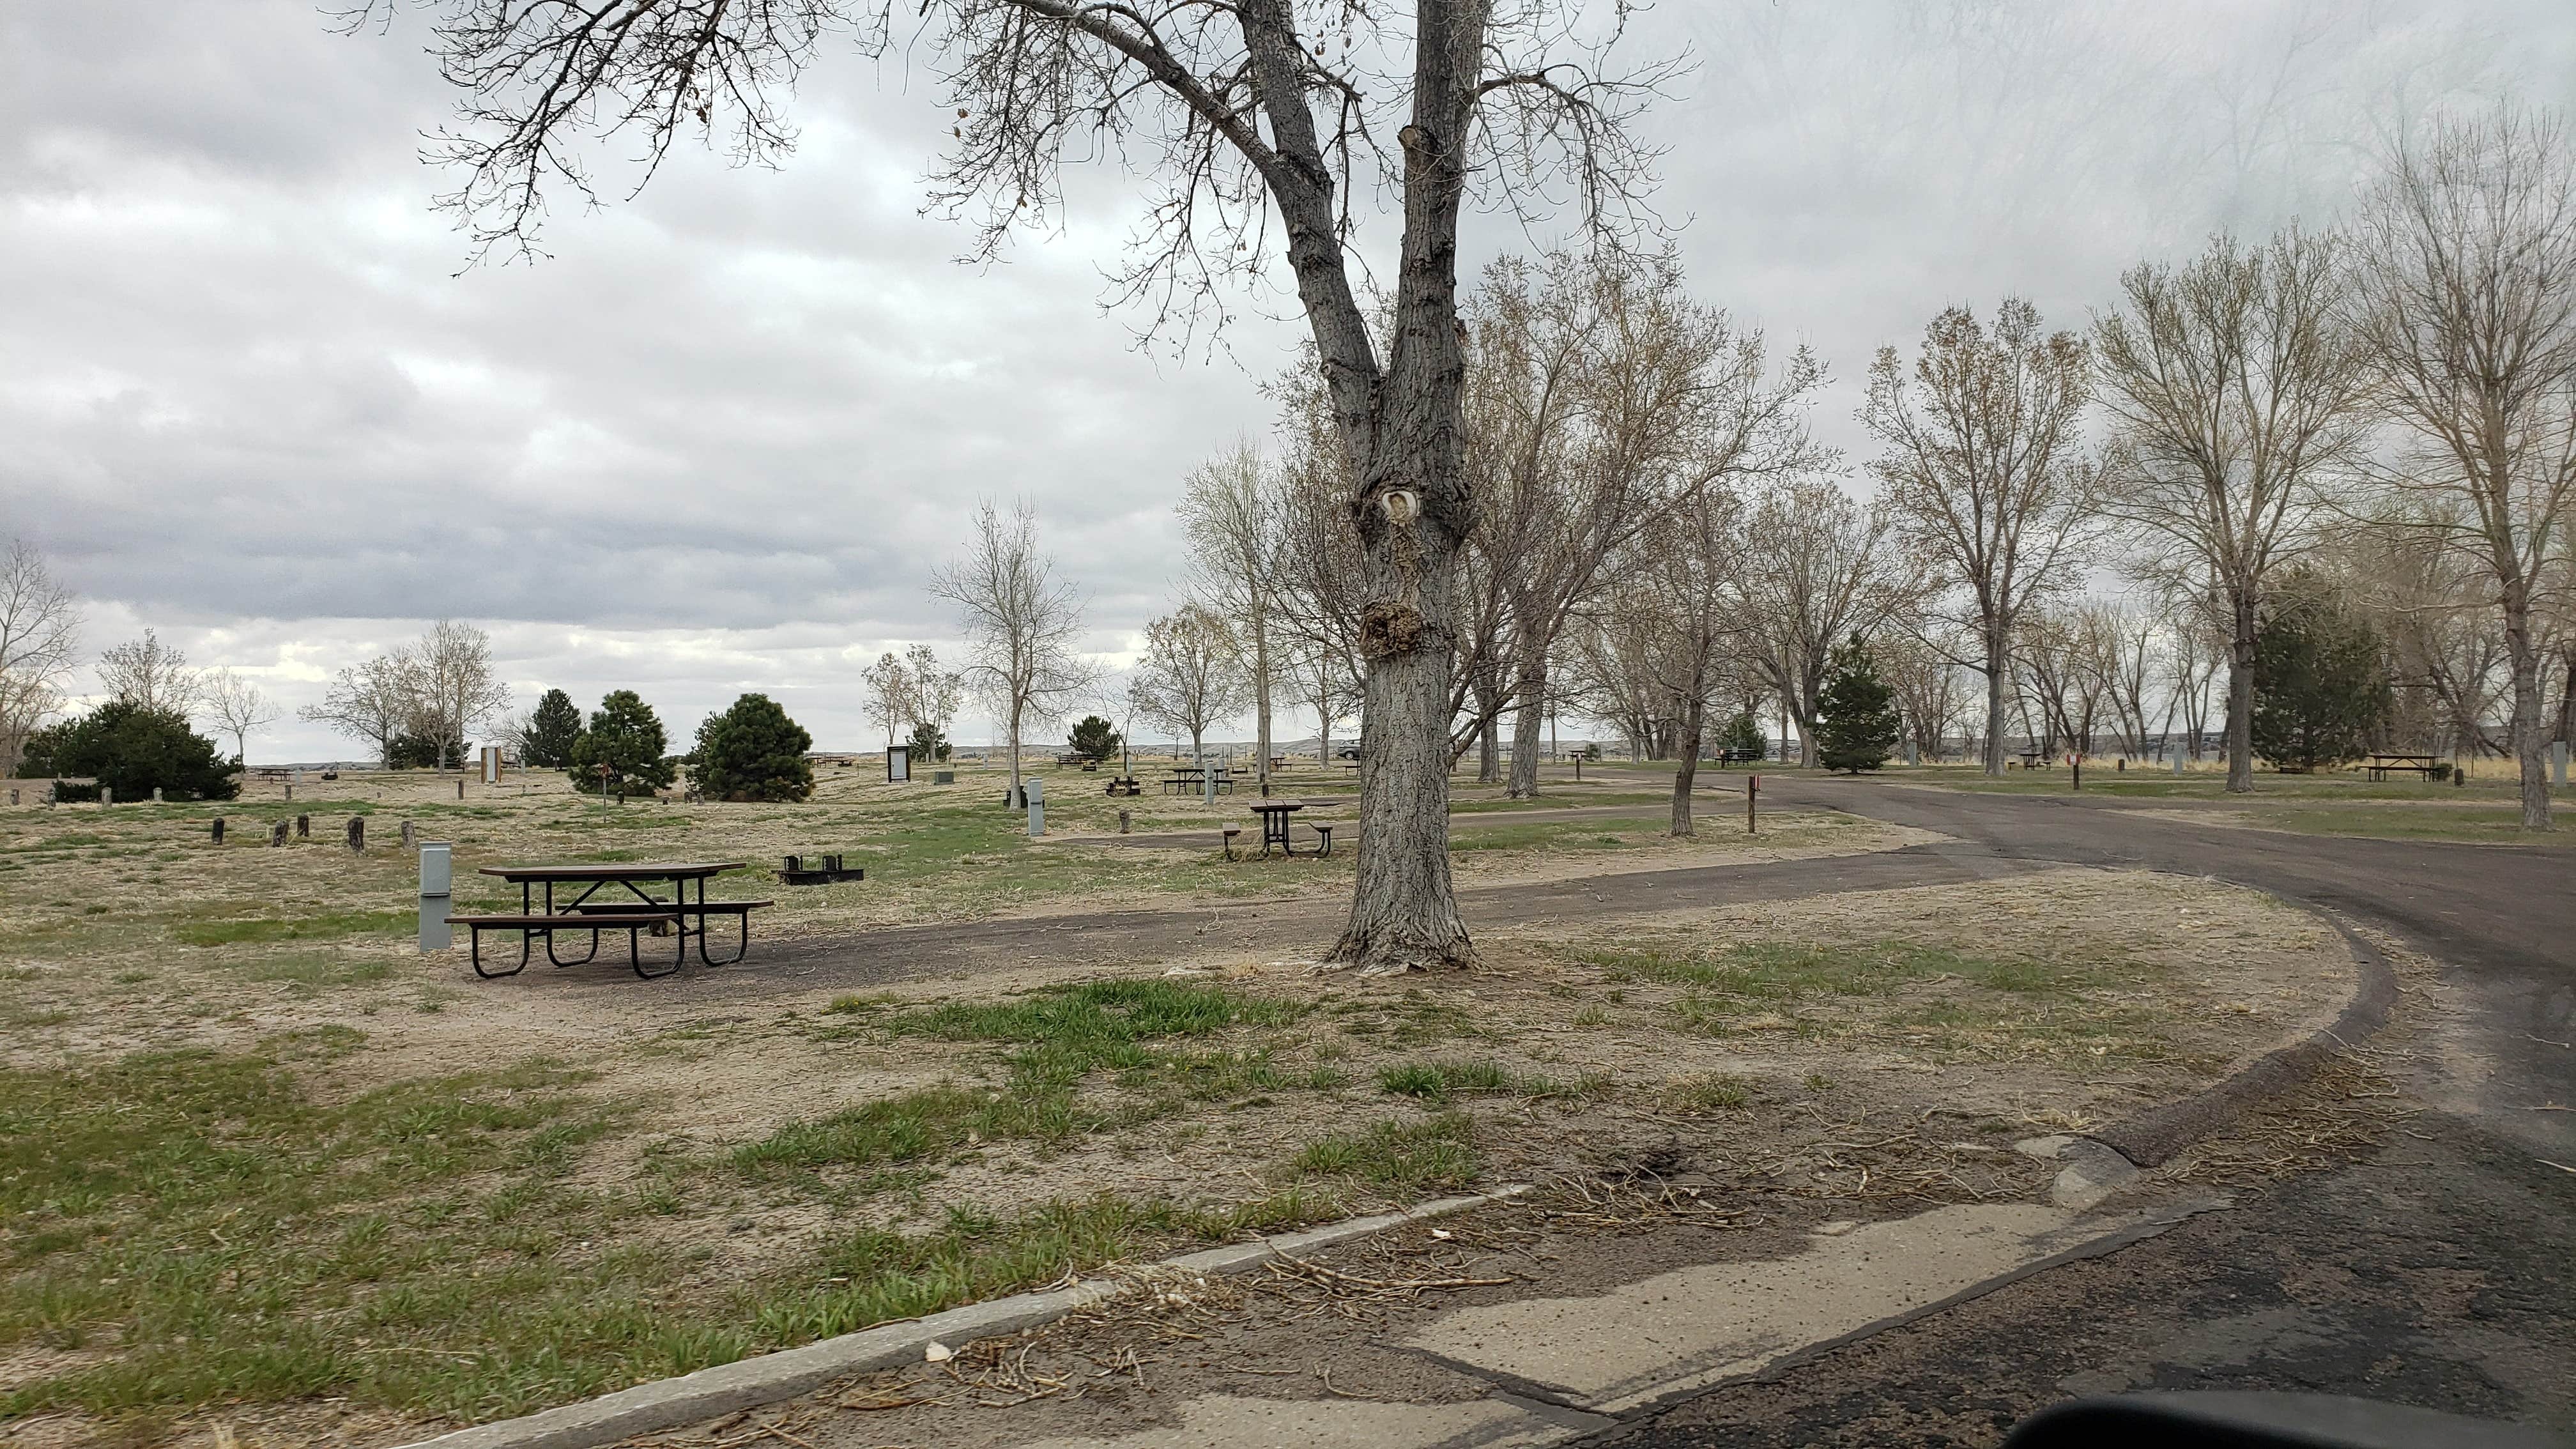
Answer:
(1711, 1092)
(1404, 1158)
(1439, 1081)
(318, 926)
(1062, 1035)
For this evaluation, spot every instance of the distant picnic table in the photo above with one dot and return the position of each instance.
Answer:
(635, 911)
(1185, 778)
(2423, 765)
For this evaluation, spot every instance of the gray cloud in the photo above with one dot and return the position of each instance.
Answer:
(718, 441)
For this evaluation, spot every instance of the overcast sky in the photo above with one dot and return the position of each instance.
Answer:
(720, 438)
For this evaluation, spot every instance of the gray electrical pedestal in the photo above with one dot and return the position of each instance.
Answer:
(436, 876)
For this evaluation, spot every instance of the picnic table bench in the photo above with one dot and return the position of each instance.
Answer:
(1742, 757)
(2424, 765)
(1274, 827)
(1124, 785)
(635, 913)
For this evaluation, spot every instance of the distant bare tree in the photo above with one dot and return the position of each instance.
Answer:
(1192, 675)
(39, 635)
(1021, 623)
(933, 691)
(151, 674)
(888, 683)
(240, 706)
(1230, 510)
(1690, 563)
(2236, 385)
(376, 701)
(1254, 126)
(454, 691)
(1816, 568)
(1985, 472)
(2467, 306)
(1925, 673)
(1600, 398)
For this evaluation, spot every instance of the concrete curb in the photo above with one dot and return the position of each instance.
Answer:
(751, 1382)
(2152, 1137)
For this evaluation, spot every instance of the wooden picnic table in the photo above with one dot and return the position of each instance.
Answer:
(1274, 823)
(2424, 765)
(633, 911)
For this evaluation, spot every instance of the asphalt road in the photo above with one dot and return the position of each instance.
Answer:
(2440, 1272)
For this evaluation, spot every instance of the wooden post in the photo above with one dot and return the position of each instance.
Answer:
(2075, 769)
(277, 835)
(219, 829)
(1122, 822)
(1752, 793)
(358, 834)
(408, 838)
(304, 827)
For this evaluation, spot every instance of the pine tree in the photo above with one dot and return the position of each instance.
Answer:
(1857, 726)
(626, 737)
(753, 751)
(928, 742)
(2321, 688)
(1743, 735)
(551, 732)
(1094, 738)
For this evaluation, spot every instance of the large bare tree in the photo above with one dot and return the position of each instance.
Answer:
(1817, 567)
(1260, 128)
(454, 688)
(1192, 675)
(1230, 509)
(240, 706)
(39, 635)
(374, 701)
(2236, 388)
(1602, 397)
(1985, 470)
(2466, 276)
(1021, 624)
(151, 674)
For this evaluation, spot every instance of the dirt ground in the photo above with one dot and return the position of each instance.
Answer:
(1879, 1047)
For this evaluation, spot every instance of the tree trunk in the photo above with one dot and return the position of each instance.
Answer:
(1995, 666)
(1015, 752)
(2529, 741)
(1694, 719)
(1489, 706)
(1261, 699)
(2240, 695)
(1532, 687)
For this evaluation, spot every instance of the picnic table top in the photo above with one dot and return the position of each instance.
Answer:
(1265, 807)
(616, 870)
(2389, 759)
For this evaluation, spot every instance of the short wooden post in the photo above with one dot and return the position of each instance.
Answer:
(304, 827)
(408, 838)
(219, 829)
(358, 834)
(106, 795)
(156, 794)
(1752, 792)
(460, 787)
(277, 835)
(1122, 822)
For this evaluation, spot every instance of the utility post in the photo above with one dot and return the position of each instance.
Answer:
(435, 883)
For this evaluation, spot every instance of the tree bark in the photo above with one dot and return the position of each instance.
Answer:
(1532, 688)
(1261, 696)
(2240, 694)
(1694, 719)
(1995, 666)
(2530, 742)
